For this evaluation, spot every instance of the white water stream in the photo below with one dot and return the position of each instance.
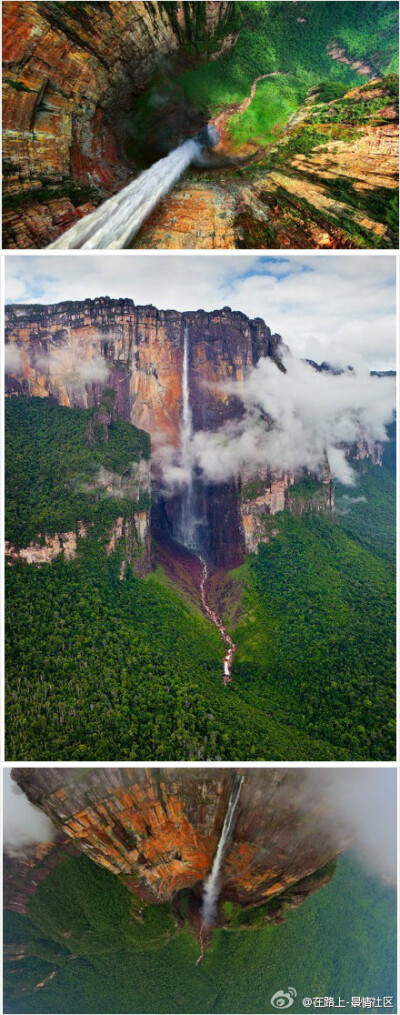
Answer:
(212, 883)
(187, 519)
(188, 529)
(114, 224)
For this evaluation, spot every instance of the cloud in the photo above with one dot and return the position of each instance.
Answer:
(293, 420)
(12, 359)
(24, 824)
(344, 504)
(70, 364)
(363, 801)
(335, 307)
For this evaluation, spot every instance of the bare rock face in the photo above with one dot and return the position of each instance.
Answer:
(72, 73)
(160, 828)
(73, 351)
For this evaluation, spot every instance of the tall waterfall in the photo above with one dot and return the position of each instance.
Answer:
(114, 224)
(187, 524)
(212, 884)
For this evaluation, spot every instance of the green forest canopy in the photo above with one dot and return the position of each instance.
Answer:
(340, 941)
(99, 668)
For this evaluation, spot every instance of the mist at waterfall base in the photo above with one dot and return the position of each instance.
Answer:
(24, 824)
(113, 225)
(293, 418)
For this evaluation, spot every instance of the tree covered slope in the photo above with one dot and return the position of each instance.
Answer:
(81, 927)
(105, 669)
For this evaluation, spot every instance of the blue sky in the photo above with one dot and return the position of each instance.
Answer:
(339, 307)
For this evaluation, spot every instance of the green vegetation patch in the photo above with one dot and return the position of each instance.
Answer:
(103, 669)
(316, 644)
(293, 39)
(339, 942)
(53, 454)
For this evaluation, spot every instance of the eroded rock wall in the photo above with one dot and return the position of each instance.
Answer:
(160, 828)
(74, 350)
(71, 73)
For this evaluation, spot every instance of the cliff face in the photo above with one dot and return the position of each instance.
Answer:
(141, 349)
(160, 828)
(73, 352)
(328, 182)
(72, 73)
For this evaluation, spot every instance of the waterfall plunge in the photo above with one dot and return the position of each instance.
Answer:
(187, 523)
(114, 224)
(212, 883)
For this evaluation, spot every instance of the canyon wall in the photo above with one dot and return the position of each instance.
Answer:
(330, 180)
(160, 828)
(71, 75)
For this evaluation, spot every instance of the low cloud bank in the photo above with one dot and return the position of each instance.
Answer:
(12, 359)
(66, 362)
(70, 364)
(291, 420)
(363, 803)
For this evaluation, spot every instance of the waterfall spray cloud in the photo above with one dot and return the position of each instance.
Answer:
(24, 825)
(292, 419)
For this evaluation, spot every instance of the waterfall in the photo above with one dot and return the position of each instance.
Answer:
(187, 526)
(190, 521)
(212, 883)
(114, 224)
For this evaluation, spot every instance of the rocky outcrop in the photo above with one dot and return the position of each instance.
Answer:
(258, 499)
(71, 76)
(159, 829)
(53, 546)
(363, 451)
(133, 533)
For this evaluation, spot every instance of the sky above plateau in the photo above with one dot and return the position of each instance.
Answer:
(335, 307)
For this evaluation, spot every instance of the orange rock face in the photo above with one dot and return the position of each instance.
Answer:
(290, 197)
(70, 77)
(160, 828)
(137, 351)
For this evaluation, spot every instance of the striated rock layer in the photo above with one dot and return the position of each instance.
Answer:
(71, 74)
(159, 828)
(328, 182)
(142, 351)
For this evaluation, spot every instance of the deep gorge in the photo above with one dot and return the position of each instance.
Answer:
(94, 93)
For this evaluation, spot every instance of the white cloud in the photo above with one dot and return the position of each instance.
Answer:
(12, 359)
(69, 363)
(363, 802)
(24, 824)
(298, 419)
(337, 307)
